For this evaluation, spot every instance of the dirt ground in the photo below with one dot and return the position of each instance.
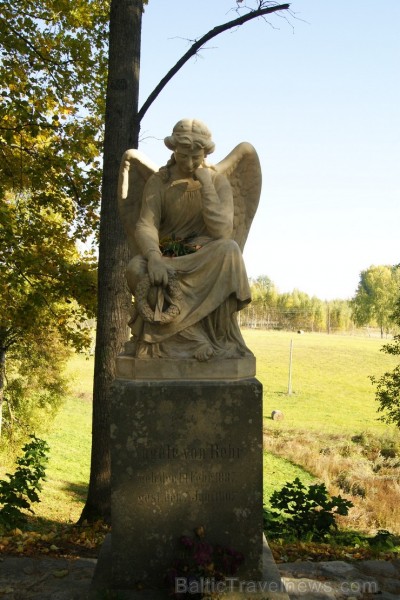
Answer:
(45, 578)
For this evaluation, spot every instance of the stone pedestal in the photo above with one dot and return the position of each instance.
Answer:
(184, 455)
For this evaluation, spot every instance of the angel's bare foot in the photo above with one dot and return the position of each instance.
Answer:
(204, 353)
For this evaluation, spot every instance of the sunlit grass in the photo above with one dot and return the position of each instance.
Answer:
(331, 389)
(67, 474)
(278, 471)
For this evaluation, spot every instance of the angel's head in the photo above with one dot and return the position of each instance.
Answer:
(192, 134)
(190, 142)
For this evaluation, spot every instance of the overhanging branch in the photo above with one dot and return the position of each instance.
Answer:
(196, 47)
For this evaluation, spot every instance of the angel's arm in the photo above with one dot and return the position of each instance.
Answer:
(147, 235)
(217, 203)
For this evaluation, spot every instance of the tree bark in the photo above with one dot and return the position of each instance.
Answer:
(114, 297)
(2, 379)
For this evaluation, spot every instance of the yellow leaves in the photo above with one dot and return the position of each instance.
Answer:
(3, 544)
(311, 551)
(67, 540)
(91, 536)
(22, 542)
(48, 537)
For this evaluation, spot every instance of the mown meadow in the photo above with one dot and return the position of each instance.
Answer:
(330, 431)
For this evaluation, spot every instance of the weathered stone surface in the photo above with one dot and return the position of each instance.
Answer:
(183, 456)
(379, 567)
(128, 367)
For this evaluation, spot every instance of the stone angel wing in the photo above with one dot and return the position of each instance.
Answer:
(243, 170)
(135, 170)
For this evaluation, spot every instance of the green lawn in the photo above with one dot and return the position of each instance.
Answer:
(331, 393)
(331, 389)
(65, 490)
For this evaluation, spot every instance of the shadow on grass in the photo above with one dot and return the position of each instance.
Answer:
(76, 490)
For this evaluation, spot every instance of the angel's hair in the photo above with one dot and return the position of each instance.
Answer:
(191, 133)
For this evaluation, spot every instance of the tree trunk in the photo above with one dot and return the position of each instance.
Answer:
(2, 379)
(114, 297)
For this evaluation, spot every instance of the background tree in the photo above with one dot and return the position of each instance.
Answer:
(388, 385)
(52, 77)
(47, 291)
(339, 316)
(52, 81)
(376, 295)
(293, 310)
(264, 291)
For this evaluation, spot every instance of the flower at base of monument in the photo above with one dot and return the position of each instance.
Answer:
(186, 541)
(201, 564)
(202, 553)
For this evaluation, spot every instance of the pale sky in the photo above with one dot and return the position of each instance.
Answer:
(319, 98)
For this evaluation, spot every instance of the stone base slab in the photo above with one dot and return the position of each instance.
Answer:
(156, 369)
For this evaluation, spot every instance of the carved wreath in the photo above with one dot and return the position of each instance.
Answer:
(172, 295)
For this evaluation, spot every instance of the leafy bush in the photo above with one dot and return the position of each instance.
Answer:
(305, 513)
(23, 486)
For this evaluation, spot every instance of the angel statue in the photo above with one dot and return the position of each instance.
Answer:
(187, 224)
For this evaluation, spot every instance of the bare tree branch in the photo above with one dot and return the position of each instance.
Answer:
(260, 12)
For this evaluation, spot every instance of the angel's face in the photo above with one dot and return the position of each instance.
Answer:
(188, 159)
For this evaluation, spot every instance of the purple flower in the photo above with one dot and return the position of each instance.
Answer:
(203, 552)
(187, 541)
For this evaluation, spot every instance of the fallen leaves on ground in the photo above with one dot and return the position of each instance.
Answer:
(317, 552)
(67, 540)
(86, 540)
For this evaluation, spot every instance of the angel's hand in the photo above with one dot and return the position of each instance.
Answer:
(157, 270)
(203, 174)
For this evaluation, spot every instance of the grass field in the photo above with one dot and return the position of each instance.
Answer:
(331, 389)
(332, 395)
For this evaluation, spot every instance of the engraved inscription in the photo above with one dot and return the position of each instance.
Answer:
(202, 474)
(191, 477)
(212, 451)
(178, 497)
